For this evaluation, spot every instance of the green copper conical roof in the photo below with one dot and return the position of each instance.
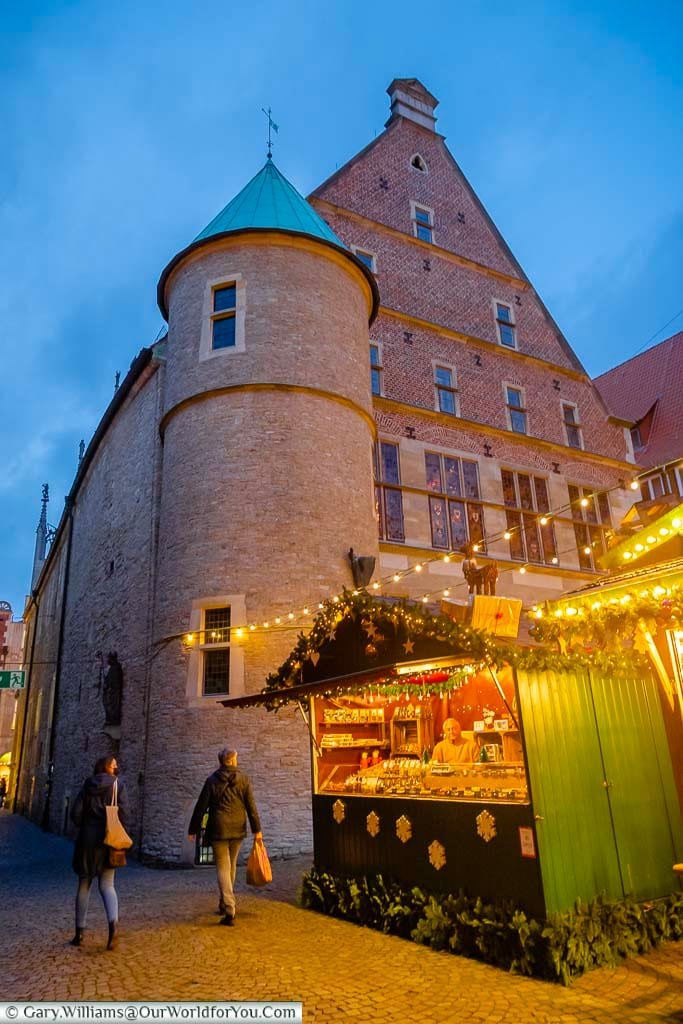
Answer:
(269, 201)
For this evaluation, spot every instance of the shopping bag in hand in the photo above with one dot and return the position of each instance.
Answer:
(259, 871)
(115, 836)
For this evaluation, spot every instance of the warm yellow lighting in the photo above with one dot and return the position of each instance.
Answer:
(584, 503)
(663, 531)
(189, 638)
(559, 613)
(446, 592)
(396, 577)
(507, 535)
(639, 547)
(428, 666)
(355, 593)
(626, 598)
(523, 569)
(252, 627)
(335, 599)
(213, 634)
(418, 567)
(425, 599)
(677, 523)
(627, 555)
(538, 614)
(375, 586)
(634, 485)
(587, 550)
(238, 632)
(306, 609)
(278, 620)
(265, 625)
(475, 547)
(571, 610)
(290, 615)
(596, 605)
(544, 520)
(658, 591)
(554, 559)
(651, 539)
(446, 558)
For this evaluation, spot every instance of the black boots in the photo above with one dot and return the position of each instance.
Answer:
(78, 937)
(113, 940)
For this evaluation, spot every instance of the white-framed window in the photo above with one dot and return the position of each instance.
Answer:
(456, 515)
(636, 438)
(422, 218)
(418, 163)
(223, 317)
(592, 519)
(572, 424)
(505, 323)
(366, 257)
(655, 486)
(376, 367)
(388, 493)
(516, 408)
(530, 531)
(445, 389)
(216, 662)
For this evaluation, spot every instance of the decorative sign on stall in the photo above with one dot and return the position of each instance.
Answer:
(526, 842)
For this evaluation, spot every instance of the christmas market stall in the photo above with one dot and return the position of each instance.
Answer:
(446, 759)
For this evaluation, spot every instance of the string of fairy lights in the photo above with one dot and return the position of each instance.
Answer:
(294, 618)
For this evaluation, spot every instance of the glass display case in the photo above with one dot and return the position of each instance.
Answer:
(385, 746)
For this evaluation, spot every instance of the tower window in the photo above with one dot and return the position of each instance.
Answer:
(445, 390)
(223, 316)
(517, 418)
(419, 163)
(215, 647)
(505, 321)
(388, 494)
(423, 222)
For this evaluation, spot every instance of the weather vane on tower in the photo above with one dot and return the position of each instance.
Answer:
(274, 127)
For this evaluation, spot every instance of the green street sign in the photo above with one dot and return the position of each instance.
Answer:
(12, 680)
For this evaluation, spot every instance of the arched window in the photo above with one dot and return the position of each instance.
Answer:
(419, 163)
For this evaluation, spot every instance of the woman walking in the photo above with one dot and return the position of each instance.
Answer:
(91, 859)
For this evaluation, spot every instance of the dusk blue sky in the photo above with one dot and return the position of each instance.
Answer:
(126, 127)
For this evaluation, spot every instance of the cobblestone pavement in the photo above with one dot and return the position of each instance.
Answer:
(173, 948)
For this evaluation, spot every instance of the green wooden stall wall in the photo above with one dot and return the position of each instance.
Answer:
(607, 816)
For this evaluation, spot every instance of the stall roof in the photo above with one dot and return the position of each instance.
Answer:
(663, 573)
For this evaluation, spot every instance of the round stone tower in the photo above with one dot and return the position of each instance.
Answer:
(265, 484)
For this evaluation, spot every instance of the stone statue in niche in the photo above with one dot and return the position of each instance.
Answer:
(362, 568)
(112, 690)
(481, 579)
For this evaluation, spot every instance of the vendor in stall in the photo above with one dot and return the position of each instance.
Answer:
(454, 748)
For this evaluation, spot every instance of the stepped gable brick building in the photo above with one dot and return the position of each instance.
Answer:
(370, 369)
(647, 392)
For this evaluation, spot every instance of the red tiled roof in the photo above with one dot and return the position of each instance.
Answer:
(654, 377)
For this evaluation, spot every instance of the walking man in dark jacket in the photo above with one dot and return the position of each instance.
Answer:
(229, 800)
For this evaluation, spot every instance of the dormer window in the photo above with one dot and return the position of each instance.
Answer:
(419, 163)
(423, 222)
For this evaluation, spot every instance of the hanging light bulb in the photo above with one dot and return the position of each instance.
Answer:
(544, 520)
(446, 592)
(554, 559)
(252, 627)
(587, 549)
(418, 567)
(475, 547)
(523, 570)
(584, 503)
(375, 586)
(446, 558)
(396, 577)
(290, 615)
(634, 485)
(507, 535)
(238, 632)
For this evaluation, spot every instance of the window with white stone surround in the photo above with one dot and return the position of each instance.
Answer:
(216, 656)
(223, 317)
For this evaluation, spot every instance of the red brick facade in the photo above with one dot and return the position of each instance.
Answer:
(243, 478)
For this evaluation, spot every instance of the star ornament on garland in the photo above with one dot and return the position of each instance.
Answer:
(409, 646)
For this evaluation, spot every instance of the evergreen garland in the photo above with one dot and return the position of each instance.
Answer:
(595, 934)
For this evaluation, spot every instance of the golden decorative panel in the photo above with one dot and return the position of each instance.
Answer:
(339, 811)
(486, 826)
(373, 824)
(404, 829)
(437, 855)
